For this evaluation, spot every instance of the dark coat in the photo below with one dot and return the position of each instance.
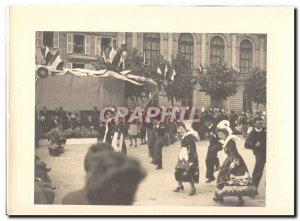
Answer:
(255, 137)
(232, 156)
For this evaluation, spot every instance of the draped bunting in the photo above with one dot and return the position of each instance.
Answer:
(123, 75)
(82, 89)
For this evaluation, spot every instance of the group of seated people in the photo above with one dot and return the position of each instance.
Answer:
(43, 188)
(82, 124)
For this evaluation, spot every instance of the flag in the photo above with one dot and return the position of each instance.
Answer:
(173, 75)
(56, 63)
(236, 69)
(104, 57)
(47, 55)
(117, 54)
(166, 70)
(158, 70)
(200, 68)
(112, 54)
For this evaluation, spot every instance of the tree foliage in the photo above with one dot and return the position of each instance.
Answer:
(219, 81)
(135, 62)
(255, 86)
(179, 89)
(184, 82)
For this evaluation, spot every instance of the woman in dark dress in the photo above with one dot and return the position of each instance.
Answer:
(234, 178)
(187, 167)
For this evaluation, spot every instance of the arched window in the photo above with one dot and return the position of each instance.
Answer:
(151, 46)
(216, 49)
(186, 47)
(246, 51)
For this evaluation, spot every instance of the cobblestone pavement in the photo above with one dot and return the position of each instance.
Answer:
(156, 189)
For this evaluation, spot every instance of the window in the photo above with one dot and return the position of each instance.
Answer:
(151, 46)
(246, 51)
(48, 38)
(78, 46)
(216, 49)
(186, 47)
(97, 46)
(78, 65)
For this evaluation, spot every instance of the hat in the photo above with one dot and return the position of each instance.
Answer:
(225, 124)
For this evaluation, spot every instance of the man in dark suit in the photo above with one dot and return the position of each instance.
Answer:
(257, 142)
(214, 147)
(159, 134)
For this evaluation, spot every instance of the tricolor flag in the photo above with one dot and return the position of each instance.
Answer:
(200, 68)
(166, 70)
(112, 54)
(47, 55)
(236, 69)
(158, 70)
(116, 57)
(173, 75)
(56, 63)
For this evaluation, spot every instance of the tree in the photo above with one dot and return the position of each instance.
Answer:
(255, 86)
(134, 61)
(219, 81)
(181, 88)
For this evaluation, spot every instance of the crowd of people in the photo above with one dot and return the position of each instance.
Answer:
(84, 124)
(233, 179)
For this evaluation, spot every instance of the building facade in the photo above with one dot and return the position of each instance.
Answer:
(241, 51)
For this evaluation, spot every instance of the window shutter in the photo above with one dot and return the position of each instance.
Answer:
(56, 40)
(70, 43)
(39, 38)
(97, 46)
(69, 65)
(87, 44)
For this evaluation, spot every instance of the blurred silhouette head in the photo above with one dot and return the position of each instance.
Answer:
(93, 153)
(112, 178)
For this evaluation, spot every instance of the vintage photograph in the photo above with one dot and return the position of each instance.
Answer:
(150, 118)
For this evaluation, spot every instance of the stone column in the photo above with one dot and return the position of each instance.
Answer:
(134, 39)
(203, 49)
(233, 51)
(170, 46)
(261, 53)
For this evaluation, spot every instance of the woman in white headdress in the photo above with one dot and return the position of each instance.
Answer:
(234, 178)
(187, 167)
